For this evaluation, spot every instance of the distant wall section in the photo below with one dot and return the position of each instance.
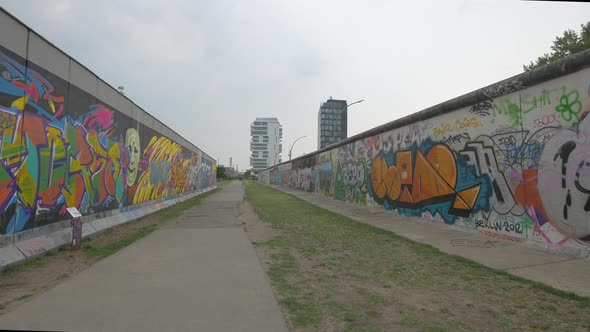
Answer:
(511, 160)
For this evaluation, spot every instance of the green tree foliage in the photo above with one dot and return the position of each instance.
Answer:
(221, 172)
(569, 43)
(247, 173)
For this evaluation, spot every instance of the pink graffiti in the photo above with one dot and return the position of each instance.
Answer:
(372, 142)
(100, 117)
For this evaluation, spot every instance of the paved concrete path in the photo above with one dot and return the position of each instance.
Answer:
(560, 271)
(197, 273)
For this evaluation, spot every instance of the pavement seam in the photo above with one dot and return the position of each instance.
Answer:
(548, 263)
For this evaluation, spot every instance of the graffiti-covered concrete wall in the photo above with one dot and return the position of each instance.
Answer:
(511, 160)
(68, 139)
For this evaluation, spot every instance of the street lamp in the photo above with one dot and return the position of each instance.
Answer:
(291, 149)
(356, 102)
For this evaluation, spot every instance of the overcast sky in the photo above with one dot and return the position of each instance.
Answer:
(208, 68)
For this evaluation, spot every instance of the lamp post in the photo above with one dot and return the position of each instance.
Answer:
(356, 102)
(291, 149)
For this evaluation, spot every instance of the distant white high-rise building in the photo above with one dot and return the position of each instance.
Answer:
(266, 136)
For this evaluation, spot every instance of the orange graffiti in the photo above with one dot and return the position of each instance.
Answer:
(378, 177)
(393, 183)
(527, 194)
(403, 160)
(417, 180)
(428, 182)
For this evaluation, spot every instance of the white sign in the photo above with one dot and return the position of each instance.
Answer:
(74, 212)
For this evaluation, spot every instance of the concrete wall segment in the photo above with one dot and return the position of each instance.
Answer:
(13, 34)
(45, 55)
(83, 78)
(69, 139)
(511, 161)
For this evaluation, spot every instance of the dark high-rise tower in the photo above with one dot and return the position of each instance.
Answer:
(332, 122)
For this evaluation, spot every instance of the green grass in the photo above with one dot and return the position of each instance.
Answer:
(28, 263)
(303, 310)
(111, 248)
(410, 319)
(329, 269)
(106, 232)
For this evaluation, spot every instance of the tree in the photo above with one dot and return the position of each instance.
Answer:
(221, 172)
(247, 174)
(570, 43)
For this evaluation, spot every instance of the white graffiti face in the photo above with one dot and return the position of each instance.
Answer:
(564, 179)
(132, 142)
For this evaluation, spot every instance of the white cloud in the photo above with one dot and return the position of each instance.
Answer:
(59, 8)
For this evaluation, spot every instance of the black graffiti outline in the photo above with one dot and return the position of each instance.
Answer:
(564, 152)
(579, 186)
(482, 108)
(486, 163)
(503, 89)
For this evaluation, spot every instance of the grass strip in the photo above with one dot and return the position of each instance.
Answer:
(26, 264)
(109, 249)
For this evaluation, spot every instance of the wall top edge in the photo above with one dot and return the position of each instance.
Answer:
(565, 66)
(192, 146)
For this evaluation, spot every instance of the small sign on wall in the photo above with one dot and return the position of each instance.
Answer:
(76, 227)
(74, 212)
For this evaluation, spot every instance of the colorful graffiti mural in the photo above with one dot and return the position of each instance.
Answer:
(416, 180)
(516, 166)
(61, 147)
(325, 176)
(564, 181)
